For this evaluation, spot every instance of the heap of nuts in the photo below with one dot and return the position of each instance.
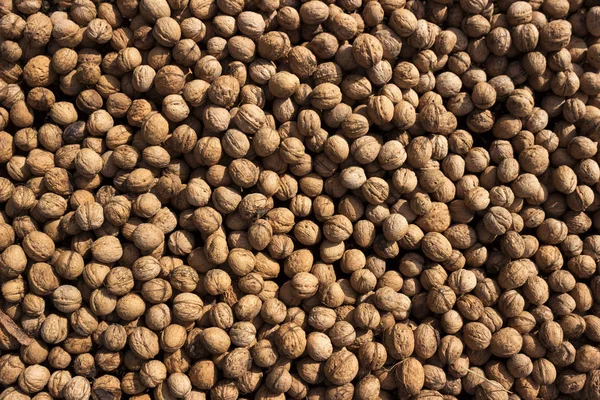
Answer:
(289, 199)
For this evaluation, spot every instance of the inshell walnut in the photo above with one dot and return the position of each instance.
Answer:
(307, 199)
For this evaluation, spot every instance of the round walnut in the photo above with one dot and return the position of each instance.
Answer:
(335, 199)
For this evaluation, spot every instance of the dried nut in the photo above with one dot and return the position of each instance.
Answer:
(334, 199)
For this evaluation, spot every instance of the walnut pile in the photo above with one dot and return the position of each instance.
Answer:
(290, 199)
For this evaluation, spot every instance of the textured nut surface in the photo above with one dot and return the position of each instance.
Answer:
(336, 199)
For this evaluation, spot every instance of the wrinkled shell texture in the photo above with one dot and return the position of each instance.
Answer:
(299, 199)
